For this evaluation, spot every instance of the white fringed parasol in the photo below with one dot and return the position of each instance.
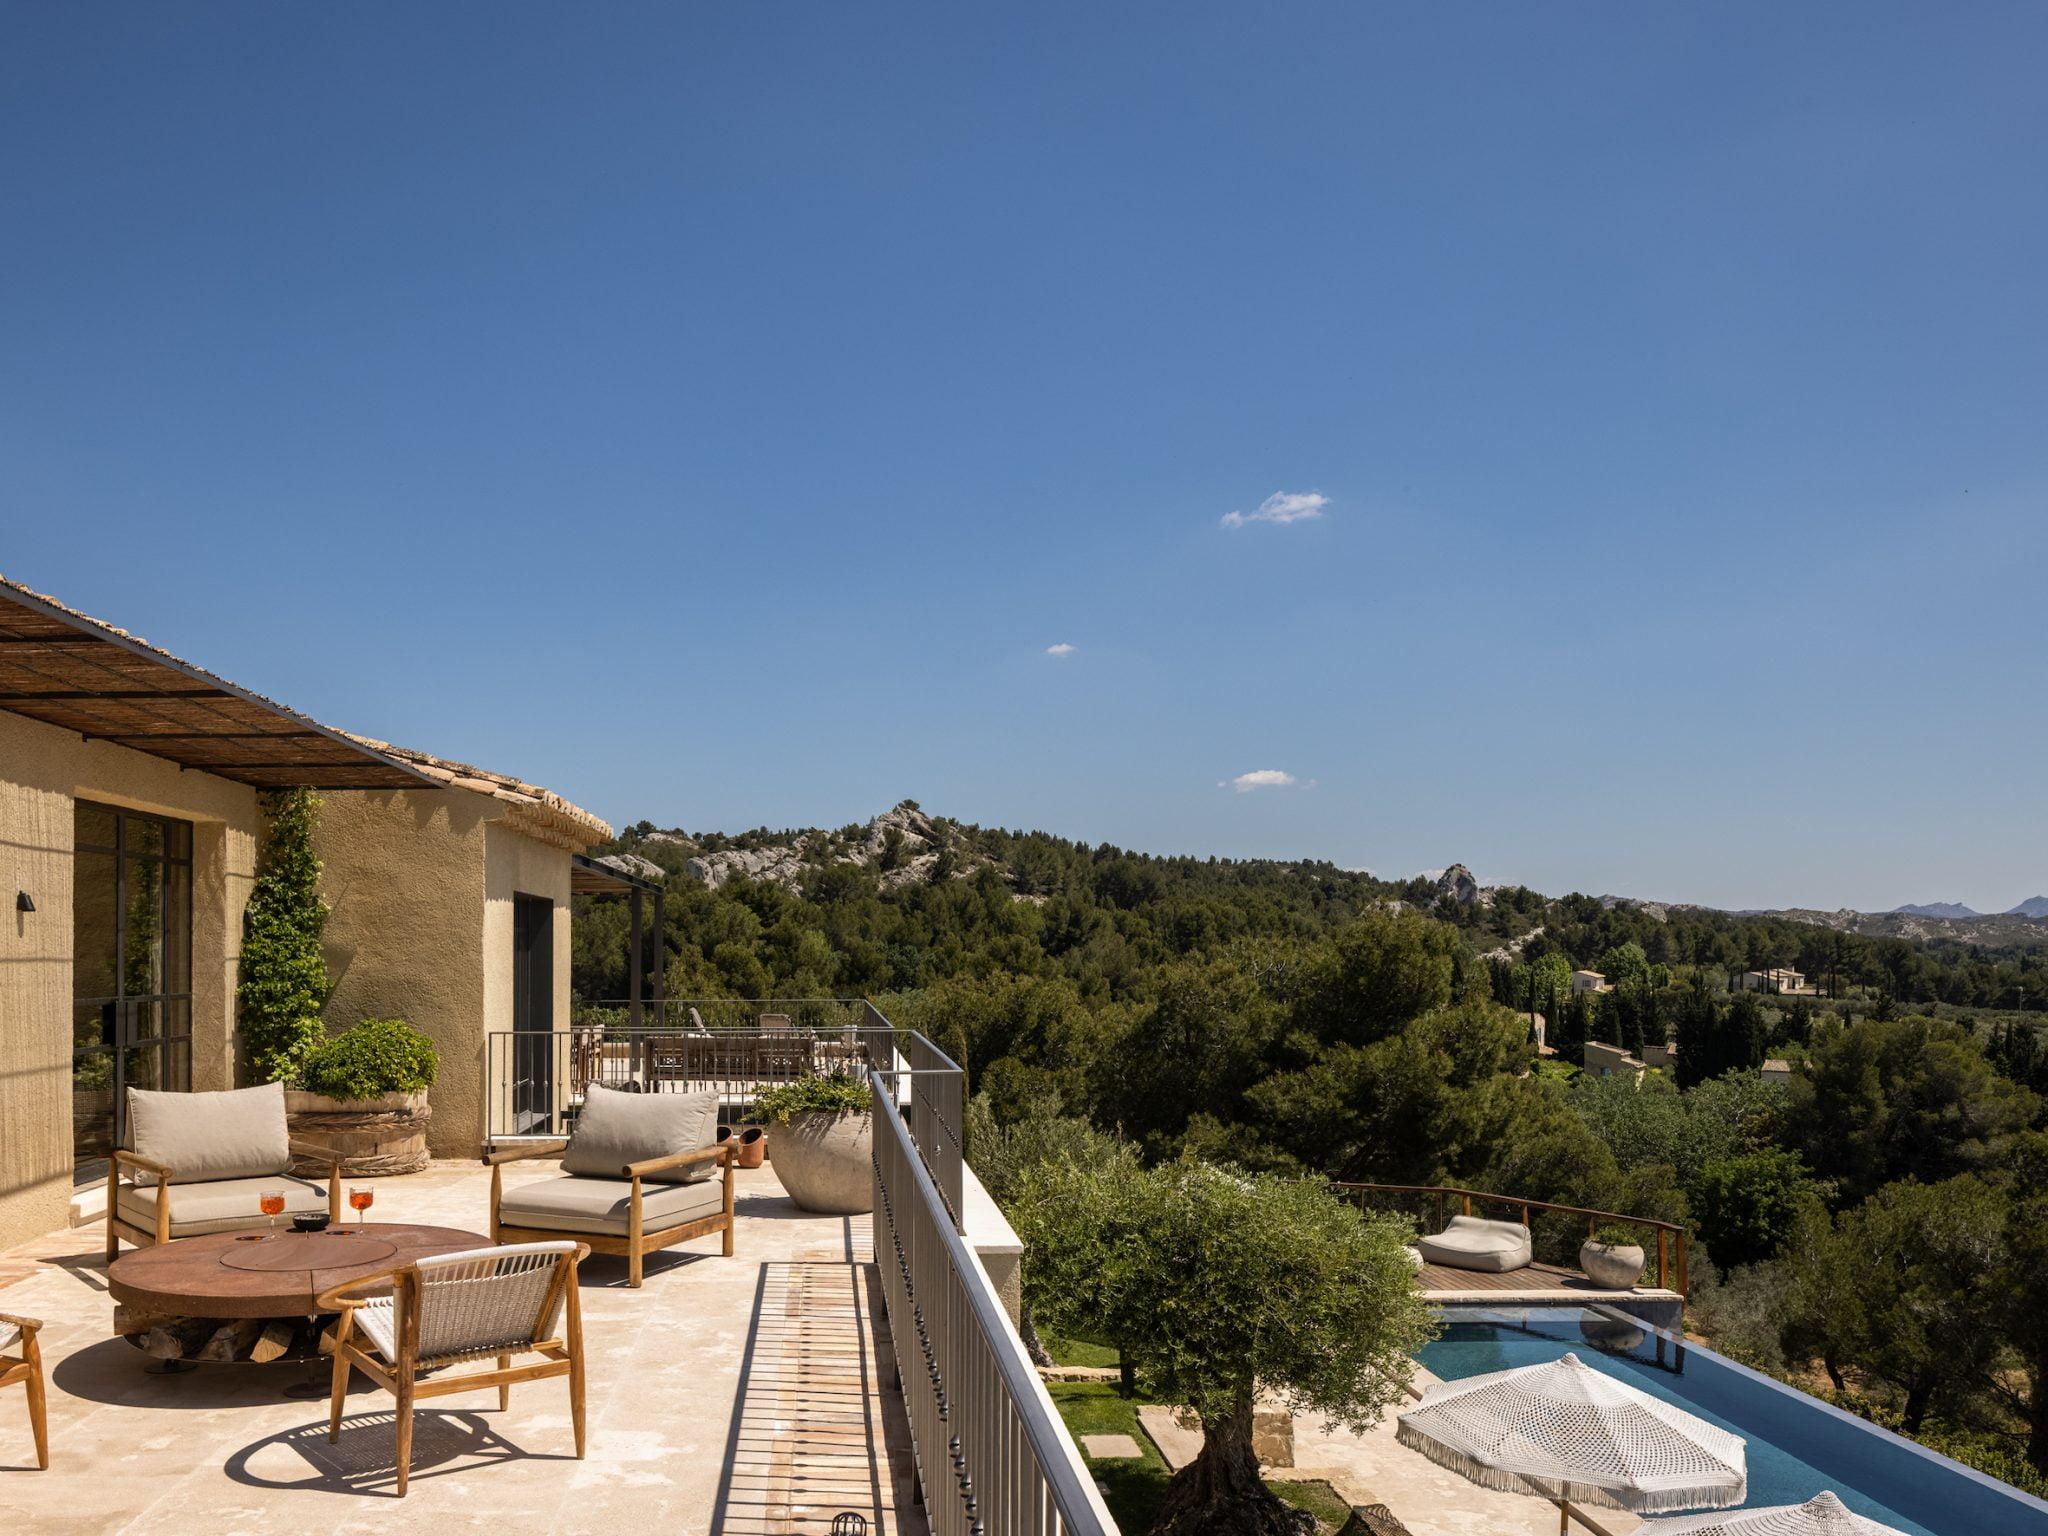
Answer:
(1573, 1434)
(1821, 1515)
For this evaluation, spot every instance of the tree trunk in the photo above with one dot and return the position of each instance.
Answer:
(1027, 1330)
(1220, 1493)
(1916, 1406)
(1834, 1370)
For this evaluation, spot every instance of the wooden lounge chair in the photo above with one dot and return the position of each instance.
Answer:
(27, 1368)
(199, 1162)
(454, 1310)
(639, 1175)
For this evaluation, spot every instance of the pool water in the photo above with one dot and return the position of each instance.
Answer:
(1797, 1445)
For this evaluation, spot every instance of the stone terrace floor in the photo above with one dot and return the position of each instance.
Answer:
(727, 1397)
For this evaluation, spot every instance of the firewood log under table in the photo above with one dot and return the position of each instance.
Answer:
(243, 1296)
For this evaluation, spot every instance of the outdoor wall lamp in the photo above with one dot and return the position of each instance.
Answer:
(23, 902)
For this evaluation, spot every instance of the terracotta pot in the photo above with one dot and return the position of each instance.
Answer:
(1612, 1267)
(826, 1161)
(373, 1137)
(753, 1147)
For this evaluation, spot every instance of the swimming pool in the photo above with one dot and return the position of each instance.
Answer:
(1798, 1445)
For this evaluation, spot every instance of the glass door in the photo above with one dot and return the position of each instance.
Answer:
(533, 1013)
(131, 947)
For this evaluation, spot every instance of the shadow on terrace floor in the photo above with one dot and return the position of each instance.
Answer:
(364, 1460)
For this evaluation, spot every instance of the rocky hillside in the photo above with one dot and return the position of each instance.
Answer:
(2005, 929)
(903, 846)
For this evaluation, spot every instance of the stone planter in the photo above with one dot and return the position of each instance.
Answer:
(373, 1138)
(1612, 1266)
(826, 1161)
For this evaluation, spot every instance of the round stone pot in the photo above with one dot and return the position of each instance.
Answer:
(826, 1161)
(1612, 1267)
(372, 1137)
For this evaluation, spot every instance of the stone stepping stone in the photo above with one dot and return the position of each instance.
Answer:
(1110, 1447)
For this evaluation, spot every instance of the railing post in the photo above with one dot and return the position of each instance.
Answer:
(1681, 1264)
(660, 958)
(636, 955)
(1465, 1201)
(1663, 1250)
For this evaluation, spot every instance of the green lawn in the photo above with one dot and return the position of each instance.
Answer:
(1133, 1488)
(1065, 1351)
(1315, 1496)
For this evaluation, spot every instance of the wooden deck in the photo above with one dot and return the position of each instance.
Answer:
(1537, 1282)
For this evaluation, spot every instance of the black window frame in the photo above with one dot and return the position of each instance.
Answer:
(170, 1008)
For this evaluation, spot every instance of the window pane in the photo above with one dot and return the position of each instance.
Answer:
(178, 1066)
(92, 1025)
(178, 839)
(144, 836)
(145, 1020)
(142, 941)
(92, 1105)
(177, 964)
(95, 825)
(94, 956)
(145, 1068)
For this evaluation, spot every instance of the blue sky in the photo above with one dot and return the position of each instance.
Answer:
(717, 412)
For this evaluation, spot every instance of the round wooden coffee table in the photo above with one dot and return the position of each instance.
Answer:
(226, 1278)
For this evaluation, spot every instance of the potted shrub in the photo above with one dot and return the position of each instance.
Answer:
(823, 1142)
(1612, 1258)
(362, 1096)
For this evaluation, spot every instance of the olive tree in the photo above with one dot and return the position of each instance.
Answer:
(1221, 1286)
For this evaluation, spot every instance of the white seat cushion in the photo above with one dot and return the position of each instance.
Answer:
(225, 1205)
(575, 1204)
(1471, 1242)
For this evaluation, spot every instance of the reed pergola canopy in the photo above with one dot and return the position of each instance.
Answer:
(70, 670)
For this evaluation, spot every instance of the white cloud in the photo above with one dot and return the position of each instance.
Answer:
(1062, 649)
(1261, 778)
(1282, 507)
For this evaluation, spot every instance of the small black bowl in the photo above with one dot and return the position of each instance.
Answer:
(310, 1221)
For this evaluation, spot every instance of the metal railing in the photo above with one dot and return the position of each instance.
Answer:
(1671, 1237)
(819, 1014)
(992, 1454)
(535, 1080)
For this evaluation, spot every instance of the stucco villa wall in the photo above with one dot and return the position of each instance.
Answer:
(43, 771)
(419, 886)
(403, 877)
(520, 865)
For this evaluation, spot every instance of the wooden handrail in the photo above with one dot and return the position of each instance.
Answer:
(1665, 1230)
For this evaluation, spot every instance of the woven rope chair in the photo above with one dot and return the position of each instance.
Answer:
(27, 1367)
(454, 1310)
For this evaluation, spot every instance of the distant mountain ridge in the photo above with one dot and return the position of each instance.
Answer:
(2018, 927)
(2032, 907)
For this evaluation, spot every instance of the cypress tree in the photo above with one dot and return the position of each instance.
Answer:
(284, 973)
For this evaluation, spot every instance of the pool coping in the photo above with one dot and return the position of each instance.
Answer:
(1992, 1484)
